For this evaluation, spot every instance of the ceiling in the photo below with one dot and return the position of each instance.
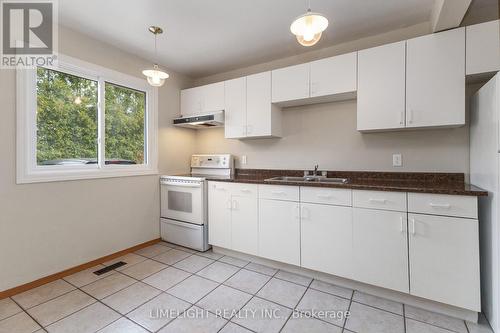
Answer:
(204, 37)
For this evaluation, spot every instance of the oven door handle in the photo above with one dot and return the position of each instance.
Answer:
(191, 185)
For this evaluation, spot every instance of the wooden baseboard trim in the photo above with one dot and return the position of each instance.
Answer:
(73, 270)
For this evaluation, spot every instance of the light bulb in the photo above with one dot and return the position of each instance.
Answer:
(308, 28)
(155, 76)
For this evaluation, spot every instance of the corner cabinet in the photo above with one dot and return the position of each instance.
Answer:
(248, 109)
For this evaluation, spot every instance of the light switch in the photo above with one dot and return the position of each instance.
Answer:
(397, 160)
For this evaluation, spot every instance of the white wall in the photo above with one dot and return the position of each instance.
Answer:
(46, 228)
(326, 134)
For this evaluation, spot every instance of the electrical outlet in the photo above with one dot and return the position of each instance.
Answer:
(397, 160)
(244, 160)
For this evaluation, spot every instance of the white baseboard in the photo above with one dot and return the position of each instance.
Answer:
(392, 295)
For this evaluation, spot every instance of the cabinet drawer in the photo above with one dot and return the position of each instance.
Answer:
(244, 190)
(278, 192)
(380, 200)
(439, 204)
(328, 196)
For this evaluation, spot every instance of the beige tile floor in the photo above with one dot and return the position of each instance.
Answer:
(166, 288)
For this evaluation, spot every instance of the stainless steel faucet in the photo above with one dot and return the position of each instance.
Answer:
(315, 173)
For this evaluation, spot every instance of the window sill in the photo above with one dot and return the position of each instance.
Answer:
(62, 176)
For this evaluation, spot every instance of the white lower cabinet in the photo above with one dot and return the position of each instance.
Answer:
(326, 238)
(380, 248)
(219, 214)
(233, 217)
(279, 231)
(244, 222)
(368, 236)
(444, 260)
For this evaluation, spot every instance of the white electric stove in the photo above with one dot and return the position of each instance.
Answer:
(184, 201)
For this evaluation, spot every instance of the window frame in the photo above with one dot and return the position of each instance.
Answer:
(28, 170)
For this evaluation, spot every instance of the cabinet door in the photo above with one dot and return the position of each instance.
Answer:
(235, 108)
(380, 248)
(444, 260)
(290, 83)
(213, 97)
(244, 219)
(219, 214)
(483, 47)
(435, 79)
(381, 87)
(191, 101)
(259, 105)
(334, 75)
(279, 231)
(326, 238)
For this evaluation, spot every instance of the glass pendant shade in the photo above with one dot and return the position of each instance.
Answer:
(155, 76)
(309, 27)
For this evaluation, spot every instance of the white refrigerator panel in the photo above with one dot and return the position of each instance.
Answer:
(484, 172)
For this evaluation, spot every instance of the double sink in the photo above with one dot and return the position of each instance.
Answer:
(308, 179)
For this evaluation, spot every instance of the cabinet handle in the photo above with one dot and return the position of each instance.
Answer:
(229, 205)
(410, 116)
(297, 212)
(245, 190)
(413, 232)
(444, 206)
(305, 213)
(324, 196)
(382, 201)
(278, 192)
(401, 224)
(402, 118)
(235, 205)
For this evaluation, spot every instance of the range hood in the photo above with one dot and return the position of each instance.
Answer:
(215, 119)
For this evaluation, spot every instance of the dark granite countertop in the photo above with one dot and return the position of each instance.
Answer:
(419, 182)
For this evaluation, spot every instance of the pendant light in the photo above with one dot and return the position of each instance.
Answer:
(156, 77)
(309, 27)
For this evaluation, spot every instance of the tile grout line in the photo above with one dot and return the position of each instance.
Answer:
(29, 315)
(296, 305)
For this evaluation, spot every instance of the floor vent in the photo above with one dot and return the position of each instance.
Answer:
(110, 268)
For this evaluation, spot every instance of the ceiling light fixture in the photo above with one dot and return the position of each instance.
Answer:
(156, 77)
(309, 27)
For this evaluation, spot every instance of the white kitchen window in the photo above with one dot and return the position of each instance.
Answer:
(77, 120)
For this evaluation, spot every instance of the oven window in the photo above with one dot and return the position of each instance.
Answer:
(180, 201)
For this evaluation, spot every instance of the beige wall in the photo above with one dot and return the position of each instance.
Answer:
(46, 228)
(326, 133)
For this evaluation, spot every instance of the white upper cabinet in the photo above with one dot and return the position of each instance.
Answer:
(483, 47)
(381, 87)
(334, 75)
(435, 80)
(290, 83)
(249, 112)
(263, 118)
(236, 108)
(202, 100)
